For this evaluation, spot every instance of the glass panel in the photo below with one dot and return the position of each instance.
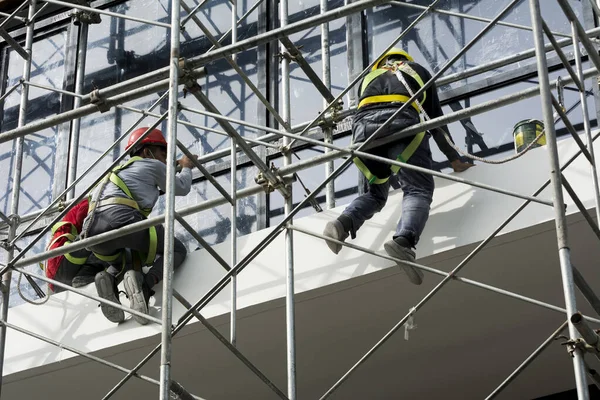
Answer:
(39, 148)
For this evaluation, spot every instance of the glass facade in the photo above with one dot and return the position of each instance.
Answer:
(118, 50)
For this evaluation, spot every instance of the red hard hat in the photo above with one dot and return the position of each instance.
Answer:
(155, 138)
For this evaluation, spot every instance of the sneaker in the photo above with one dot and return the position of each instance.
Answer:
(106, 285)
(82, 280)
(335, 230)
(138, 293)
(396, 250)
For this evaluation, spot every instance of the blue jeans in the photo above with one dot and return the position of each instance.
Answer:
(418, 193)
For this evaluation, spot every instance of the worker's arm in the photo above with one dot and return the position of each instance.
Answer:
(183, 180)
(434, 109)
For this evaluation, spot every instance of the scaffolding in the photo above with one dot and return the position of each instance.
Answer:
(185, 73)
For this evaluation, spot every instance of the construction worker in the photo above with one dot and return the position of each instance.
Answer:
(390, 84)
(127, 195)
(77, 268)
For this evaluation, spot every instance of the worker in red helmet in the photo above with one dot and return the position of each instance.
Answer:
(127, 195)
(394, 79)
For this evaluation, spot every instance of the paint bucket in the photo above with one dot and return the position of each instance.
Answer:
(526, 131)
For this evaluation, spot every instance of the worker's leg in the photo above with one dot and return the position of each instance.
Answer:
(418, 193)
(354, 216)
(364, 207)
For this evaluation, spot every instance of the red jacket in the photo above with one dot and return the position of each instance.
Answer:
(75, 216)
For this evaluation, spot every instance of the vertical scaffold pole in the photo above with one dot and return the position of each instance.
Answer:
(586, 118)
(16, 183)
(79, 79)
(327, 130)
(233, 335)
(168, 259)
(555, 177)
(289, 239)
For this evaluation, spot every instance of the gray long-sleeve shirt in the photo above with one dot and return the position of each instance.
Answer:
(144, 178)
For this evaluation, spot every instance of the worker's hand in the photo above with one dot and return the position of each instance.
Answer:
(459, 166)
(187, 162)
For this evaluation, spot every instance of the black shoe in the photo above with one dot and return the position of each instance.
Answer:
(106, 285)
(138, 293)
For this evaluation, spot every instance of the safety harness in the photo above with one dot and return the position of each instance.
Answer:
(70, 236)
(113, 177)
(397, 69)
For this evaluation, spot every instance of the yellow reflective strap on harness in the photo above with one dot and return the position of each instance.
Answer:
(121, 200)
(69, 237)
(75, 260)
(408, 151)
(387, 98)
(60, 224)
(370, 177)
(153, 245)
(403, 157)
(370, 78)
(108, 259)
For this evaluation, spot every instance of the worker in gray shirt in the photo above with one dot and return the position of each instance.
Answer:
(127, 195)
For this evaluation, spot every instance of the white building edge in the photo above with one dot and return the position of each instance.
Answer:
(467, 339)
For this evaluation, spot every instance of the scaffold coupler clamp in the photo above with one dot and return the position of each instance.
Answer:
(268, 185)
(84, 16)
(99, 101)
(188, 76)
(573, 345)
(410, 323)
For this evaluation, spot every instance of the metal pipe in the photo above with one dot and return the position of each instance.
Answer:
(528, 361)
(471, 17)
(232, 62)
(105, 12)
(230, 346)
(562, 56)
(586, 120)
(593, 225)
(82, 111)
(587, 43)
(16, 184)
(52, 89)
(188, 314)
(5, 290)
(77, 200)
(78, 352)
(75, 127)
(328, 130)
(586, 290)
(246, 14)
(587, 333)
(196, 91)
(9, 91)
(191, 12)
(13, 14)
(14, 45)
(290, 316)
(202, 242)
(205, 172)
(233, 173)
(555, 178)
(58, 198)
(203, 127)
(570, 127)
(85, 294)
(135, 227)
(368, 68)
(350, 151)
(169, 236)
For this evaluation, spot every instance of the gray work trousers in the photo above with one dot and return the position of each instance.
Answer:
(118, 216)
